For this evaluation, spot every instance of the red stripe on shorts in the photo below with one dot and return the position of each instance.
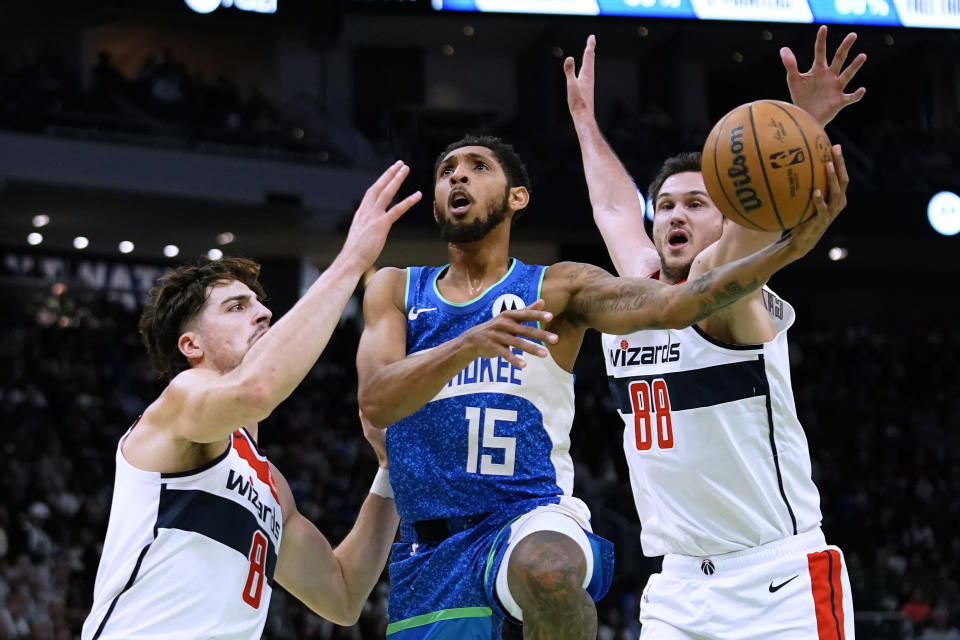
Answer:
(825, 572)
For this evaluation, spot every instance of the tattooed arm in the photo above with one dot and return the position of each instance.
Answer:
(601, 301)
(598, 300)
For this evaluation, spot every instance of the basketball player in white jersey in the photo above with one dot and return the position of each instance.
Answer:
(718, 461)
(202, 526)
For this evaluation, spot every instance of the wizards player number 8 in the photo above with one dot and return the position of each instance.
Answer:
(258, 560)
(651, 404)
(508, 445)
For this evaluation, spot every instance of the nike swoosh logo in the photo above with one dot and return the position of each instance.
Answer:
(774, 589)
(414, 312)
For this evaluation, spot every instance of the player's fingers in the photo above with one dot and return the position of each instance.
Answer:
(822, 206)
(586, 68)
(403, 206)
(837, 195)
(856, 96)
(823, 210)
(840, 56)
(373, 191)
(384, 178)
(512, 348)
(820, 46)
(569, 67)
(847, 74)
(507, 354)
(390, 190)
(840, 165)
(526, 346)
(536, 334)
(528, 315)
(789, 61)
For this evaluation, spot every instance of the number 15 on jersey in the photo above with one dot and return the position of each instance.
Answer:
(489, 417)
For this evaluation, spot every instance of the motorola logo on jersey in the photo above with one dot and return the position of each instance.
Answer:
(506, 302)
(707, 567)
(627, 356)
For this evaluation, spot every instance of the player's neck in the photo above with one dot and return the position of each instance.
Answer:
(474, 268)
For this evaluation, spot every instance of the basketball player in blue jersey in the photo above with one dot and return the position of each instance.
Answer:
(718, 461)
(478, 432)
(202, 526)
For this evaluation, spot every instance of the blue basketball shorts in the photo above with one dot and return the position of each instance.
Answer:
(446, 589)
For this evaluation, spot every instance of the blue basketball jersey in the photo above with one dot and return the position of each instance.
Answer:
(495, 434)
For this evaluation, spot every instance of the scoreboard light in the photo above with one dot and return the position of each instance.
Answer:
(942, 14)
(209, 6)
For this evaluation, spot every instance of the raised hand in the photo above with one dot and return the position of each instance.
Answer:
(580, 85)
(820, 91)
(806, 234)
(501, 334)
(373, 220)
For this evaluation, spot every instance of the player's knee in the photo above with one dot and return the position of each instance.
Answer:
(546, 572)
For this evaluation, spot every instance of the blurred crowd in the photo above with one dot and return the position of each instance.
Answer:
(166, 103)
(880, 411)
(163, 104)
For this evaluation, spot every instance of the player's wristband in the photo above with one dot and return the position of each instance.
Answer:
(381, 484)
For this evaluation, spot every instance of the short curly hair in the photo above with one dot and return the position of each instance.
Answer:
(513, 167)
(177, 298)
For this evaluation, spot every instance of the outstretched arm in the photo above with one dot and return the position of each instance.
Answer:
(335, 583)
(393, 385)
(820, 91)
(623, 305)
(203, 406)
(617, 209)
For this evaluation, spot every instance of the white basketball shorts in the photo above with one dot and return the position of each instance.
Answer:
(796, 588)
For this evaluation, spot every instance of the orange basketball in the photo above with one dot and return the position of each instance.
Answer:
(763, 161)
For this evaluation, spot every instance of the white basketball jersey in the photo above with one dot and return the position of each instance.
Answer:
(718, 460)
(189, 555)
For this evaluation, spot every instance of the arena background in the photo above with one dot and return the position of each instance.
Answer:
(148, 123)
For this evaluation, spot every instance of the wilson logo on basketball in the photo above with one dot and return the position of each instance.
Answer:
(740, 174)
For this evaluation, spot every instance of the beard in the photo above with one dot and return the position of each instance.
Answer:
(461, 232)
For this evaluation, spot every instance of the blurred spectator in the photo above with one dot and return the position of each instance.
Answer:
(940, 627)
